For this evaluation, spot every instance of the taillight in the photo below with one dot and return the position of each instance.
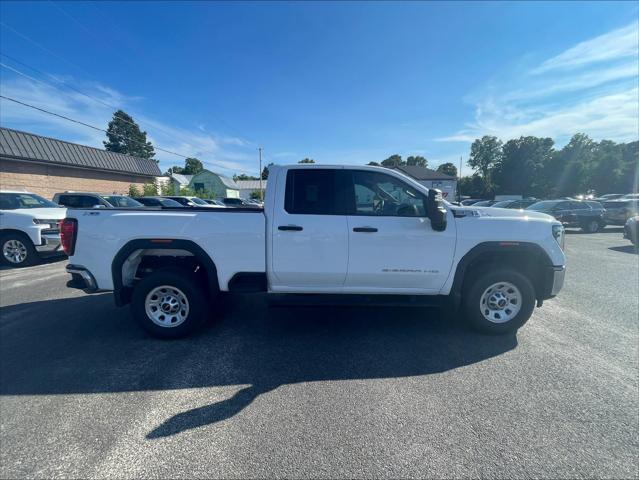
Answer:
(68, 232)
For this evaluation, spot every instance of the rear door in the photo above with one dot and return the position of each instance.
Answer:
(309, 235)
(392, 247)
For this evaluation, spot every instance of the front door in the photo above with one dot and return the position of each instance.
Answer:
(309, 240)
(392, 247)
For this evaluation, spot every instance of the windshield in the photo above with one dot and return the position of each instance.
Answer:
(483, 203)
(542, 206)
(121, 201)
(15, 201)
(198, 201)
(503, 204)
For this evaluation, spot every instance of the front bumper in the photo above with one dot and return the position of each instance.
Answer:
(559, 274)
(50, 243)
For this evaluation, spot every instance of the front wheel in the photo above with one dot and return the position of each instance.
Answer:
(169, 304)
(17, 250)
(499, 301)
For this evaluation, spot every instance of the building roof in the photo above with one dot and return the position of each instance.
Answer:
(183, 180)
(250, 184)
(228, 182)
(18, 145)
(423, 173)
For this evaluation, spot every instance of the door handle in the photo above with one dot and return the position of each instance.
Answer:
(365, 229)
(291, 228)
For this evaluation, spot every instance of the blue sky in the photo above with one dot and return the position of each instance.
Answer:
(337, 82)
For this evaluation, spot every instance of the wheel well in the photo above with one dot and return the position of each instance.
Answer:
(4, 231)
(140, 258)
(526, 258)
(523, 262)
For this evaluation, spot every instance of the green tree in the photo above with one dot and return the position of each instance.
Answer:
(373, 164)
(174, 169)
(134, 191)
(418, 161)
(149, 189)
(125, 136)
(255, 195)
(519, 169)
(474, 186)
(485, 153)
(573, 166)
(265, 172)
(243, 176)
(192, 166)
(168, 189)
(393, 161)
(448, 168)
(306, 160)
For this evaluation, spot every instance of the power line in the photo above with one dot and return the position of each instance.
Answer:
(87, 125)
(103, 130)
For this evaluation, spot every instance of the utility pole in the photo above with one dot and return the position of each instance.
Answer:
(260, 176)
(460, 177)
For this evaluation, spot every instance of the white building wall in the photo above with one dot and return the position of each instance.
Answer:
(448, 187)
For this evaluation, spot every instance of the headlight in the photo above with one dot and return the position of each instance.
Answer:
(558, 233)
(47, 222)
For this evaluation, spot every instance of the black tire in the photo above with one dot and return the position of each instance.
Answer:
(475, 287)
(188, 284)
(591, 226)
(32, 256)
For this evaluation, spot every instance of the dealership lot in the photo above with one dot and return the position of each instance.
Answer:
(324, 391)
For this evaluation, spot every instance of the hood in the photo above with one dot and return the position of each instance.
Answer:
(499, 213)
(42, 213)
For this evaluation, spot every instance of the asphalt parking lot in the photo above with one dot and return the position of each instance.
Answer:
(324, 392)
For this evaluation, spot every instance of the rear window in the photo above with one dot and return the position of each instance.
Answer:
(121, 201)
(78, 201)
(14, 201)
(310, 192)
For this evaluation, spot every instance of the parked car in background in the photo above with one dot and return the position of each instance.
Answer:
(157, 202)
(515, 204)
(212, 201)
(485, 203)
(29, 228)
(631, 230)
(94, 200)
(469, 201)
(238, 202)
(620, 210)
(189, 201)
(587, 215)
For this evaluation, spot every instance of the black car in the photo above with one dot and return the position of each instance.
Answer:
(587, 215)
(619, 211)
(631, 230)
(157, 202)
(515, 204)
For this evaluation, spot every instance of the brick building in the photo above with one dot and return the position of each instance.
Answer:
(45, 166)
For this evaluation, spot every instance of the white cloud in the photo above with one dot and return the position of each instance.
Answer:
(589, 88)
(620, 43)
(217, 152)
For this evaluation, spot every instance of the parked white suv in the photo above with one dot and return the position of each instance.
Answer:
(29, 228)
(323, 230)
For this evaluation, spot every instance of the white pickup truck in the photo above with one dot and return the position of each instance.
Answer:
(29, 228)
(324, 230)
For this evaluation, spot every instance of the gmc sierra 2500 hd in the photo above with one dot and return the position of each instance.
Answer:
(323, 230)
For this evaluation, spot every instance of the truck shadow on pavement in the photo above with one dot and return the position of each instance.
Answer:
(86, 345)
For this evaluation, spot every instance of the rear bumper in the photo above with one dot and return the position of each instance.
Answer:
(81, 279)
(50, 243)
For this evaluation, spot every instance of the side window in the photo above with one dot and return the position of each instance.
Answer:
(384, 195)
(579, 206)
(69, 201)
(562, 206)
(310, 192)
(84, 201)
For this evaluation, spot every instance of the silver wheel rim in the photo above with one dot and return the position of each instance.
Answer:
(14, 251)
(167, 306)
(500, 302)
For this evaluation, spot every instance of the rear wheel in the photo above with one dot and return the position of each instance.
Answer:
(591, 226)
(169, 303)
(499, 301)
(16, 250)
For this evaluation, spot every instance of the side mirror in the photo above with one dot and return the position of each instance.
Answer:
(436, 210)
